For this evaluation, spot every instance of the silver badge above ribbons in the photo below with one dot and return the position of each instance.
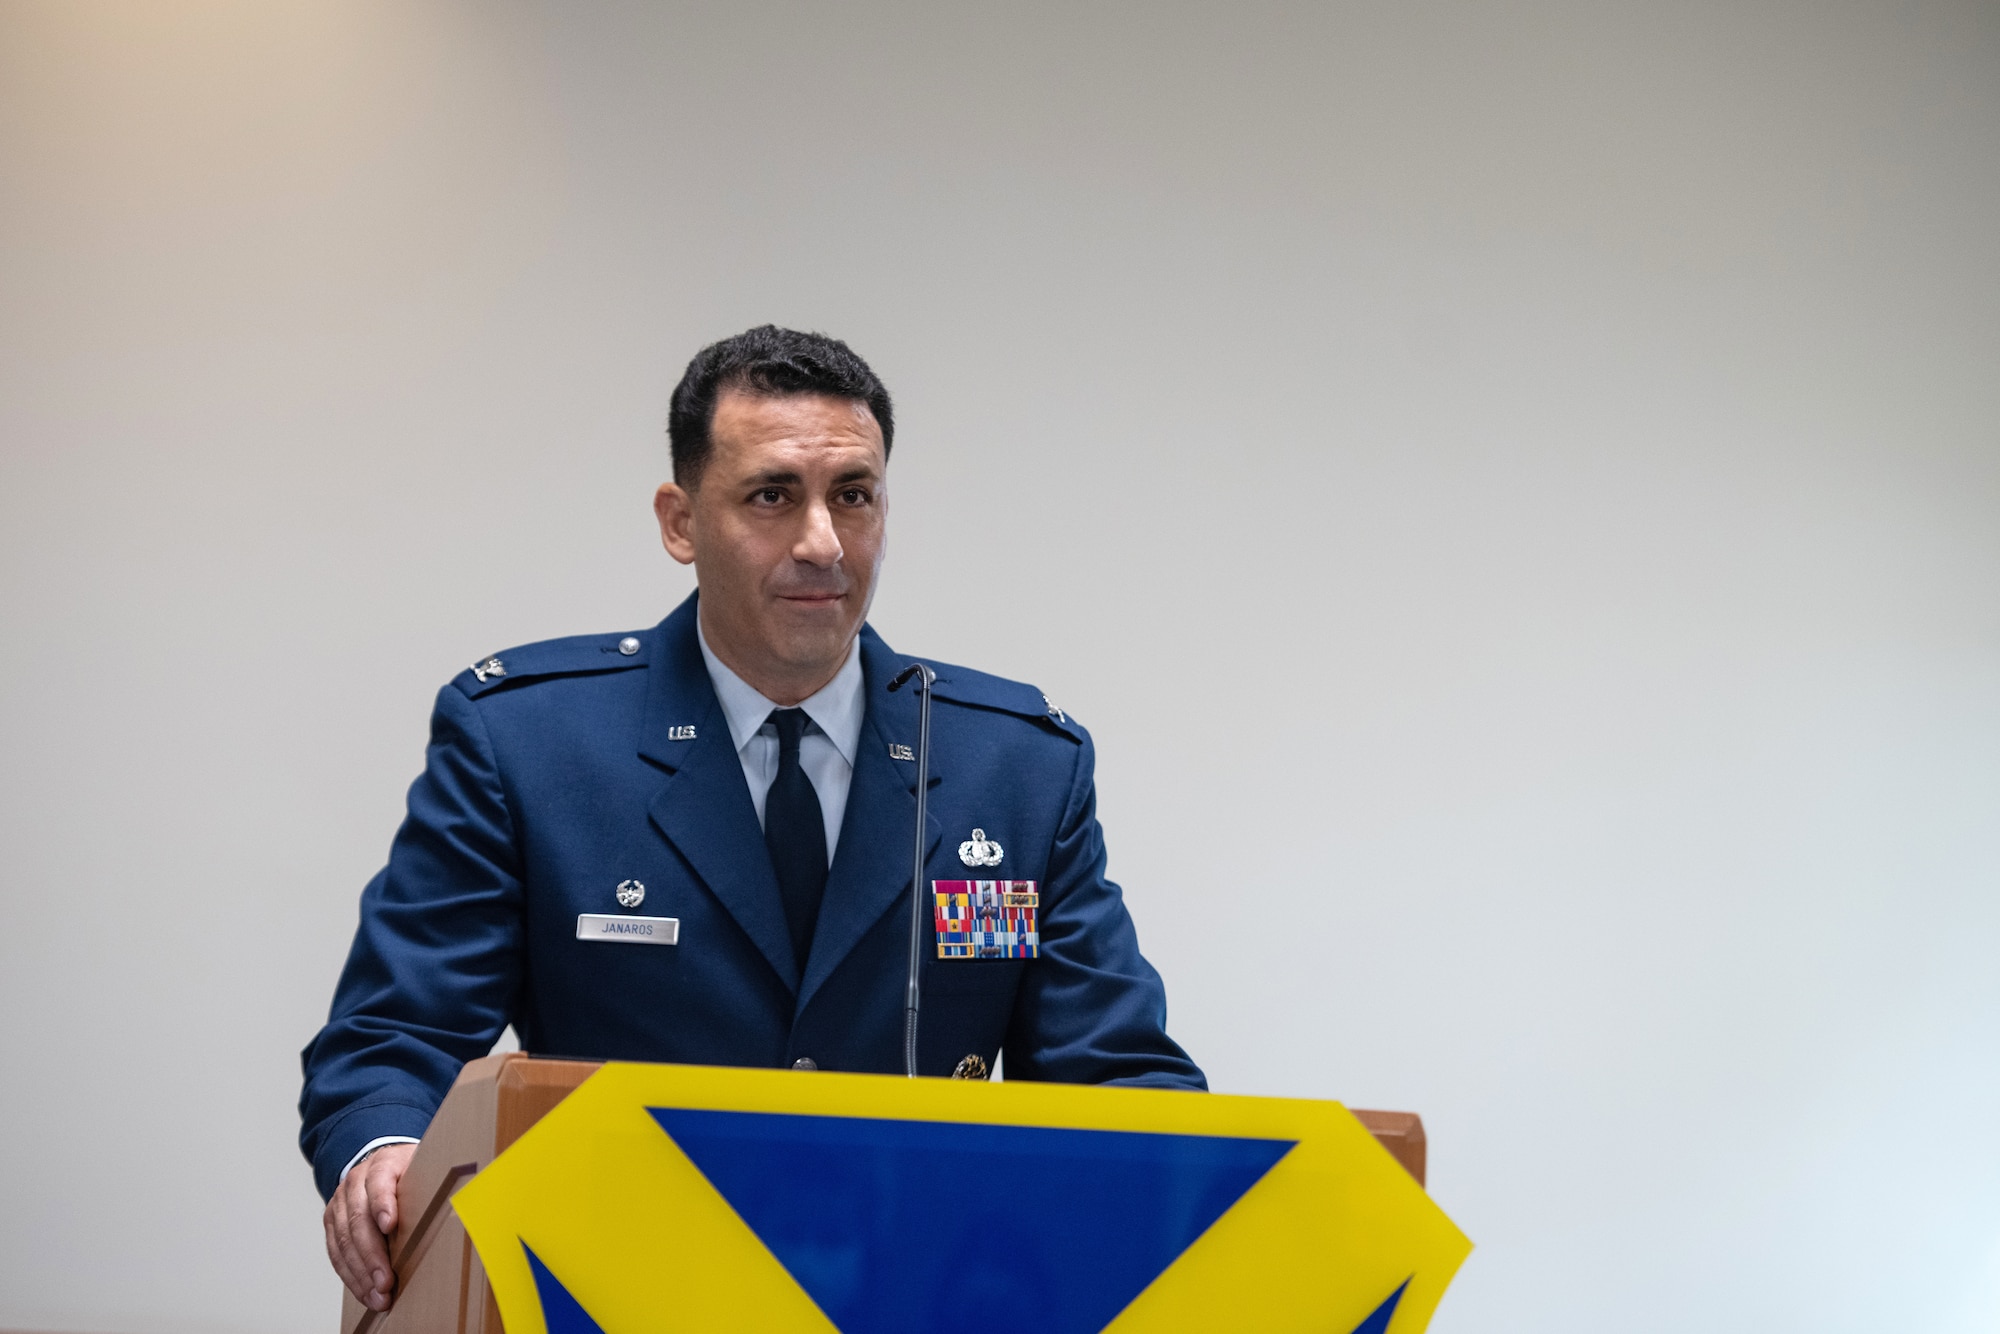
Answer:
(631, 893)
(980, 850)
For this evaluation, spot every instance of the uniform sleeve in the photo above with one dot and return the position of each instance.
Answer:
(1091, 1009)
(435, 971)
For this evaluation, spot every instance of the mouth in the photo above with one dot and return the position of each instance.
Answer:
(812, 600)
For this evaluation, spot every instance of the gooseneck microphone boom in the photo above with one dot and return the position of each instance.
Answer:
(924, 676)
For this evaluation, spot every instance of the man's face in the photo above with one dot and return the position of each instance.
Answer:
(786, 532)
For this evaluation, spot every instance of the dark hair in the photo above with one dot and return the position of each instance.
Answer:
(771, 361)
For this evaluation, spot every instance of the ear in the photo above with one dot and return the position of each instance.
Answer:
(674, 508)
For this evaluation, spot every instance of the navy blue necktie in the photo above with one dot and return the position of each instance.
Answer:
(795, 834)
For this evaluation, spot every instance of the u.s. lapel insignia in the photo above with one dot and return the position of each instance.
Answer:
(986, 919)
(899, 751)
(980, 850)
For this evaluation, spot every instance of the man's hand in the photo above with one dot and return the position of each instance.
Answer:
(359, 1220)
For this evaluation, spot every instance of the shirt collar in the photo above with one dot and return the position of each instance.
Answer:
(835, 708)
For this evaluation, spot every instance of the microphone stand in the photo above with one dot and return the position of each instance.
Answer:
(924, 676)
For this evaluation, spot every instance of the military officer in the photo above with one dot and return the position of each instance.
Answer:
(691, 843)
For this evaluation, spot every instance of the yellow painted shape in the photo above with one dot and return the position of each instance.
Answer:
(629, 1225)
(1316, 1245)
(626, 1222)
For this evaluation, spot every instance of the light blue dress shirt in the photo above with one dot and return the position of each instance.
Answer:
(826, 750)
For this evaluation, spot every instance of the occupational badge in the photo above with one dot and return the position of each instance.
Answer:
(980, 850)
(986, 919)
(631, 893)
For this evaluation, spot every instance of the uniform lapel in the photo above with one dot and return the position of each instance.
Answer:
(871, 867)
(704, 810)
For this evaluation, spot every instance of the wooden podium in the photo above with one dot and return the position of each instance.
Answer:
(441, 1287)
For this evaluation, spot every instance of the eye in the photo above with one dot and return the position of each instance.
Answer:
(855, 495)
(770, 495)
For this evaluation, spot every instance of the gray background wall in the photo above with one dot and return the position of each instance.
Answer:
(1513, 491)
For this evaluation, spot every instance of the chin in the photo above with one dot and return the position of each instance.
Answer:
(812, 637)
(808, 620)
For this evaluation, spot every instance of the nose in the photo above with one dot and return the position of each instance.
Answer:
(818, 544)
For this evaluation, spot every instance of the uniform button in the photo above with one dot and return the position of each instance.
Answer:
(628, 646)
(805, 1063)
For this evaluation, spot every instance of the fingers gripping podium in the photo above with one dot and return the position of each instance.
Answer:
(443, 1283)
(440, 1285)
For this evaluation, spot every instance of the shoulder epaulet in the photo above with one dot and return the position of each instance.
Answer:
(962, 685)
(573, 656)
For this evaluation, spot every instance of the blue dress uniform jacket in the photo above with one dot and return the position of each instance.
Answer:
(574, 767)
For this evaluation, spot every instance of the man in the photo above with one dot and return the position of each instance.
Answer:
(692, 843)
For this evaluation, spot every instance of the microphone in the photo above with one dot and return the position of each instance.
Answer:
(924, 676)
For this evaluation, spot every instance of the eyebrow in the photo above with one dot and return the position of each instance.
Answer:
(784, 478)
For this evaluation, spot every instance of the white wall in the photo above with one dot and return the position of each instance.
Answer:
(1513, 493)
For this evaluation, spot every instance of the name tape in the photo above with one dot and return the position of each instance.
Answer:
(628, 930)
